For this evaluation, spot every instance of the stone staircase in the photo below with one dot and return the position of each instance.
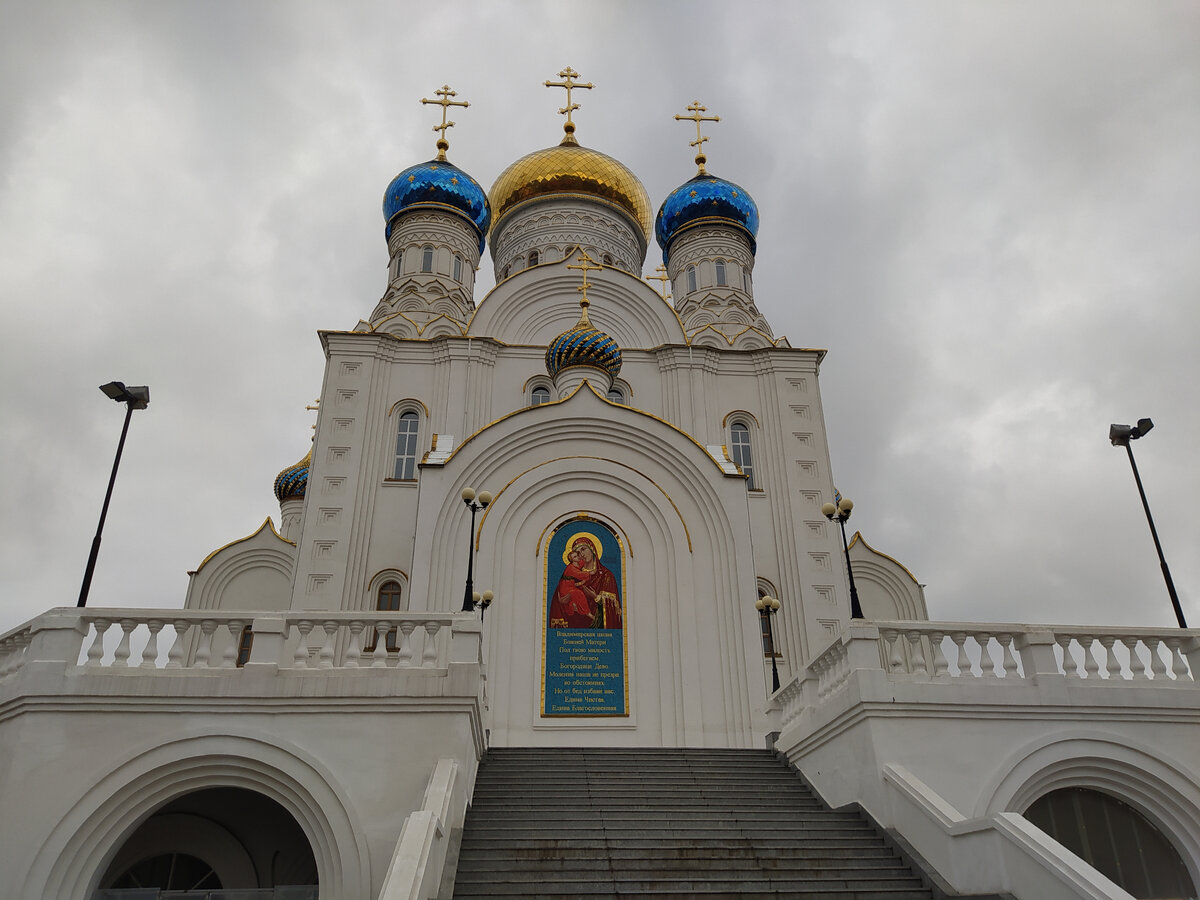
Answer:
(666, 823)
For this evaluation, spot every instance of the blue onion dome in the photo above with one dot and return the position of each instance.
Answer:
(292, 481)
(583, 345)
(438, 185)
(706, 200)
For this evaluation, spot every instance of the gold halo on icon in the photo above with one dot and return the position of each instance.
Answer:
(585, 536)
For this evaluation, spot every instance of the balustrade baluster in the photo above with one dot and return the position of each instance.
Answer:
(1070, 667)
(940, 665)
(208, 628)
(987, 662)
(1157, 666)
(300, 657)
(1091, 667)
(325, 657)
(1112, 665)
(379, 658)
(429, 652)
(916, 653)
(229, 654)
(1008, 661)
(150, 651)
(1137, 668)
(964, 661)
(1179, 666)
(121, 654)
(95, 651)
(175, 654)
(896, 659)
(354, 649)
(404, 657)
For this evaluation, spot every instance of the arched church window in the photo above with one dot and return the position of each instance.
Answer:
(721, 272)
(427, 259)
(1114, 838)
(533, 257)
(616, 395)
(245, 642)
(457, 267)
(407, 430)
(539, 396)
(746, 279)
(399, 262)
(739, 450)
(691, 277)
(387, 600)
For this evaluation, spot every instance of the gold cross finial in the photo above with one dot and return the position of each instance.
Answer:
(444, 94)
(568, 75)
(695, 109)
(315, 406)
(584, 302)
(662, 278)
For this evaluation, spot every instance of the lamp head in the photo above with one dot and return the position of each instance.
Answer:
(1120, 435)
(137, 397)
(468, 494)
(829, 510)
(845, 506)
(1143, 426)
(760, 603)
(485, 498)
(774, 602)
(488, 596)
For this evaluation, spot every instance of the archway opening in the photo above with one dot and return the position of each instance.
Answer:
(1115, 839)
(216, 839)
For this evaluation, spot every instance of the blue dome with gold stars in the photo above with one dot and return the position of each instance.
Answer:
(438, 185)
(703, 200)
(291, 482)
(583, 345)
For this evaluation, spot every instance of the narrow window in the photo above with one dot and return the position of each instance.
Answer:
(540, 395)
(505, 275)
(245, 642)
(764, 624)
(746, 279)
(721, 272)
(607, 260)
(691, 273)
(427, 259)
(533, 257)
(399, 263)
(457, 267)
(406, 447)
(739, 440)
(616, 395)
(388, 600)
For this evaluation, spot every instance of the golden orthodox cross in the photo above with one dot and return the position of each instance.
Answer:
(584, 302)
(315, 406)
(444, 94)
(568, 75)
(695, 109)
(662, 278)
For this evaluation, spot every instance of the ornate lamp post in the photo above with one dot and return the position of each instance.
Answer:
(770, 606)
(133, 398)
(468, 497)
(1121, 435)
(840, 513)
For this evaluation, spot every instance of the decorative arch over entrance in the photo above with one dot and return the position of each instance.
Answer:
(83, 845)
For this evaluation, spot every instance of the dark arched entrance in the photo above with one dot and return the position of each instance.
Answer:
(214, 839)
(1115, 839)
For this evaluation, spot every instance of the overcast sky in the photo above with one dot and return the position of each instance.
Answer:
(989, 213)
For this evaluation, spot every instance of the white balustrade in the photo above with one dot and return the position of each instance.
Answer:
(145, 641)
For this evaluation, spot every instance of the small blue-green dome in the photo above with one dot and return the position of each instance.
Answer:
(292, 481)
(438, 185)
(583, 345)
(702, 200)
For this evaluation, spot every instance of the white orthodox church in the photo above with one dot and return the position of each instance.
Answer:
(654, 462)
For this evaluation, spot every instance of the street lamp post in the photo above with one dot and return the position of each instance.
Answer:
(1121, 435)
(840, 513)
(133, 398)
(468, 497)
(770, 606)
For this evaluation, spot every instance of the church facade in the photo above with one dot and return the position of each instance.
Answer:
(548, 516)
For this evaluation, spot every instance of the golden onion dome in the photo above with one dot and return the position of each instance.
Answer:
(567, 169)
